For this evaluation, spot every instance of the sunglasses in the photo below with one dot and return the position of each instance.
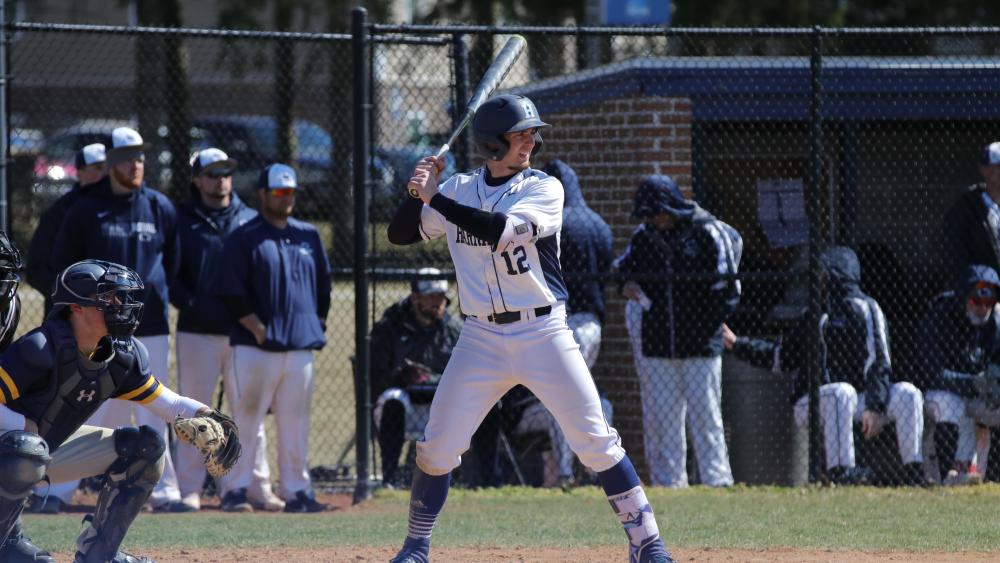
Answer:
(282, 192)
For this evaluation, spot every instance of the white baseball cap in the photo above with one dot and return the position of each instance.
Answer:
(991, 154)
(126, 143)
(429, 286)
(277, 176)
(212, 159)
(91, 154)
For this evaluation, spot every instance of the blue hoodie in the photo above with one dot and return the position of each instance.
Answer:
(138, 230)
(585, 245)
(202, 231)
(951, 351)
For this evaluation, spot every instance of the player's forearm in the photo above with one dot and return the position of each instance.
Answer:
(405, 225)
(168, 405)
(10, 420)
(481, 224)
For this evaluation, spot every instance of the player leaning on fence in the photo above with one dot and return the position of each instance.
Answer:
(502, 222)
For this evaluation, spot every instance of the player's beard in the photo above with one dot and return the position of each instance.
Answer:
(127, 181)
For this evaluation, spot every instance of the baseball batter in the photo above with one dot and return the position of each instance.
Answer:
(502, 223)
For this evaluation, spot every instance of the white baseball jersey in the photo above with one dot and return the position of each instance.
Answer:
(523, 272)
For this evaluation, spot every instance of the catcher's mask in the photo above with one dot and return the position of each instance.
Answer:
(112, 288)
(10, 265)
(506, 113)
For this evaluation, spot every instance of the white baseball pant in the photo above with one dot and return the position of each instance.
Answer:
(840, 405)
(201, 359)
(537, 418)
(945, 406)
(114, 414)
(489, 359)
(674, 391)
(283, 382)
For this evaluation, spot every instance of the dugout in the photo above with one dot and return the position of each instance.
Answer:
(901, 137)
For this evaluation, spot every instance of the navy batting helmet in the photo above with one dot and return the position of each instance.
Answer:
(10, 265)
(507, 113)
(110, 287)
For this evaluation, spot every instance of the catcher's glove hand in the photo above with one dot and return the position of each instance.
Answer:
(215, 435)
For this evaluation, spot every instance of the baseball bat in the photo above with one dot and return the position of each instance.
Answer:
(491, 80)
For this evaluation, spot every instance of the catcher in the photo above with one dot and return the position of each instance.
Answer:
(54, 378)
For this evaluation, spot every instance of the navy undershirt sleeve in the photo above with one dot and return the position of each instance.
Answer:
(481, 224)
(405, 224)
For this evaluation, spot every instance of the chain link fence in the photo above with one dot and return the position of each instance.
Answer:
(818, 167)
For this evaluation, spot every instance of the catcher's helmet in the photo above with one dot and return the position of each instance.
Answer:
(112, 288)
(10, 265)
(507, 113)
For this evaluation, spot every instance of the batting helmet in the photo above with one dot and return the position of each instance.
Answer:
(507, 113)
(110, 287)
(10, 265)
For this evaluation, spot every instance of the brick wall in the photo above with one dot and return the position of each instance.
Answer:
(612, 146)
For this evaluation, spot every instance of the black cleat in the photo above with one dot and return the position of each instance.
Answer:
(305, 501)
(20, 549)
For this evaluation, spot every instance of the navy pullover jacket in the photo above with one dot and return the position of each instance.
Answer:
(202, 232)
(138, 230)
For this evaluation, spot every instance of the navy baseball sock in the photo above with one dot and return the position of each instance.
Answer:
(427, 497)
(628, 500)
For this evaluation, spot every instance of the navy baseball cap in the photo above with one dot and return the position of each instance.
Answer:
(212, 160)
(277, 176)
(429, 286)
(94, 153)
(991, 154)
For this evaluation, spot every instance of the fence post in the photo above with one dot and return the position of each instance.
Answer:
(4, 132)
(461, 54)
(362, 110)
(814, 211)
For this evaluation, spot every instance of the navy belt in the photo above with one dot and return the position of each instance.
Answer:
(514, 316)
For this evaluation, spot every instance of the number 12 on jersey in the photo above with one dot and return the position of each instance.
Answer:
(520, 260)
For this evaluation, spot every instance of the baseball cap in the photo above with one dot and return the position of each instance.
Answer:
(91, 154)
(429, 286)
(991, 154)
(212, 159)
(126, 143)
(277, 176)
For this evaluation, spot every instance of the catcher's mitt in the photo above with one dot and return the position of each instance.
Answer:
(215, 435)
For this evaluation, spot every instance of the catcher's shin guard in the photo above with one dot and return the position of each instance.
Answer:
(128, 482)
(10, 514)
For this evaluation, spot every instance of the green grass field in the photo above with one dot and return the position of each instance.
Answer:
(939, 520)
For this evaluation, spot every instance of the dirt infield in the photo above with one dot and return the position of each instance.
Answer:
(550, 555)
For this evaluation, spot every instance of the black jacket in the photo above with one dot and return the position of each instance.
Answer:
(854, 338)
(967, 237)
(398, 337)
(685, 320)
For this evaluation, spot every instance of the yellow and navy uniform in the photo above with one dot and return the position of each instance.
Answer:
(45, 368)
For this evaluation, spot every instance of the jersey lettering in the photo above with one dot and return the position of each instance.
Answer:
(462, 237)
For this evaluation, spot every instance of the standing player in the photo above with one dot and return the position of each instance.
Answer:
(52, 380)
(502, 223)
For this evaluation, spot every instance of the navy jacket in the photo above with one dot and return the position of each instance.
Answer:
(284, 275)
(948, 342)
(585, 245)
(854, 338)
(967, 236)
(202, 231)
(685, 320)
(138, 230)
(40, 274)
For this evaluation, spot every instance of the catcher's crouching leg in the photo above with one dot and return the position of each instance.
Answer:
(24, 459)
(128, 482)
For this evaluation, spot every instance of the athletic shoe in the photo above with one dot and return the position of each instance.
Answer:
(840, 475)
(956, 478)
(120, 557)
(174, 506)
(414, 551)
(236, 501)
(651, 550)
(38, 504)
(20, 549)
(268, 503)
(305, 501)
